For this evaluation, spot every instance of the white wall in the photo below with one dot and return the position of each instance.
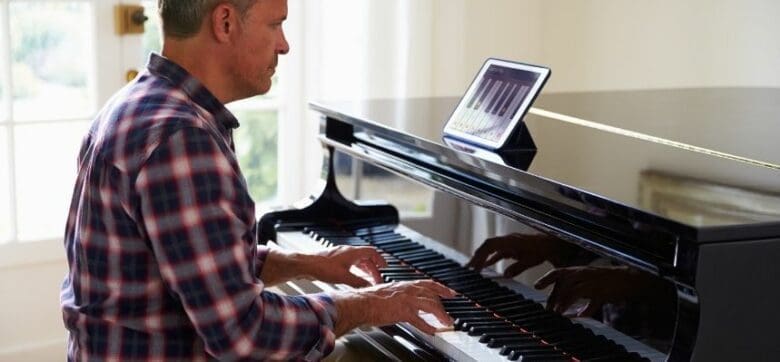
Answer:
(30, 279)
(611, 44)
(615, 44)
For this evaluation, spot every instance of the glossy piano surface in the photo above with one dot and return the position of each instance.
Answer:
(722, 136)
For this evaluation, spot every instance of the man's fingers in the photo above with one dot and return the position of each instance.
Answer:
(590, 309)
(355, 281)
(376, 258)
(495, 258)
(437, 288)
(487, 248)
(564, 300)
(418, 322)
(516, 268)
(370, 268)
(436, 308)
(549, 278)
(368, 253)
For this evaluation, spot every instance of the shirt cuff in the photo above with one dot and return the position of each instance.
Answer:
(262, 255)
(325, 309)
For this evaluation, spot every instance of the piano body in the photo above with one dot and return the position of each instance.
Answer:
(590, 182)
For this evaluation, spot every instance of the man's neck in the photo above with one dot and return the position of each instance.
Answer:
(202, 63)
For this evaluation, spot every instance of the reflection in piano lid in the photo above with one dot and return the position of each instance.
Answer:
(705, 231)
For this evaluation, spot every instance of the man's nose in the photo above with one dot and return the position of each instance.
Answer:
(284, 46)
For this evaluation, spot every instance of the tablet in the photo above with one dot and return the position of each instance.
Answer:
(495, 103)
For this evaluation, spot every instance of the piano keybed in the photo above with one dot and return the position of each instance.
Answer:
(502, 320)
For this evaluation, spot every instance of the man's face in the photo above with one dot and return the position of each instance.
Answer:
(259, 43)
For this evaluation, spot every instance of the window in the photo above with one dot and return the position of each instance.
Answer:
(47, 98)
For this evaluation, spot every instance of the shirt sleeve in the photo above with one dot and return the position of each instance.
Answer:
(199, 219)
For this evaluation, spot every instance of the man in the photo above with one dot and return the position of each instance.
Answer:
(163, 261)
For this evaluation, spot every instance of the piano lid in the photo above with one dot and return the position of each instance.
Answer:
(701, 163)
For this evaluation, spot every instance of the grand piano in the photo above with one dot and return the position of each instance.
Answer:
(640, 178)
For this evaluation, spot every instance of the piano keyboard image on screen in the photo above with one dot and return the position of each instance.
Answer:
(492, 321)
(491, 108)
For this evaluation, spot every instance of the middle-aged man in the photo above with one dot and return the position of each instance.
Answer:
(163, 258)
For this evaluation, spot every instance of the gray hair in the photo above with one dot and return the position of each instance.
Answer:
(183, 18)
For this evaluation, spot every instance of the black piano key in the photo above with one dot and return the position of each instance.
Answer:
(373, 230)
(406, 250)
(446, 274)
(467, 325)
(527, 347)
(404, 278)
(402, 274)
(396, 268)
(544, 357)
(499, 342)
(460, 321)
(464, 308)
(470, 283)
(346, 240)
(386, 239)
(423, 258)
(391, 243)
(435, 265)
(479, 330)
(462, 282)
(514, 303)
(492, 295)
(472, 316)
(515, 307)
(456, 300)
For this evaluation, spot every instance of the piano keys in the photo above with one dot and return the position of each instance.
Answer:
(491, 320)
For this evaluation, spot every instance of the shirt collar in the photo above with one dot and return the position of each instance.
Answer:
(180, 78)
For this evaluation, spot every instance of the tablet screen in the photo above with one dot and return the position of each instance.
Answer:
(495, 102)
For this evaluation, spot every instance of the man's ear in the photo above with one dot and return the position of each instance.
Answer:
(224, 22)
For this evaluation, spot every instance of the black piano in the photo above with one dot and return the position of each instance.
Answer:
(638, 178)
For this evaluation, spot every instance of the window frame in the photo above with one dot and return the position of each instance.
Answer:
(100, 85)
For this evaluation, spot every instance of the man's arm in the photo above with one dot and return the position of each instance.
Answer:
(200, 223)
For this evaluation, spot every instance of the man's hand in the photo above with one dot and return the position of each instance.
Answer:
(599, 285)
(527, 250)
(334, 265)
(392, 303)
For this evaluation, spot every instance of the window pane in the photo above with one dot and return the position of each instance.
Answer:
(51, 52)
(256, 148)
(45, 176)
(5, 201)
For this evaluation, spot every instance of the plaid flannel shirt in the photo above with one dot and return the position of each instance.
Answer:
(161, 246)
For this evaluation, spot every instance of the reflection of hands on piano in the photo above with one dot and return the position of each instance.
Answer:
(527, 251)
(596, 284)
(391, 303)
